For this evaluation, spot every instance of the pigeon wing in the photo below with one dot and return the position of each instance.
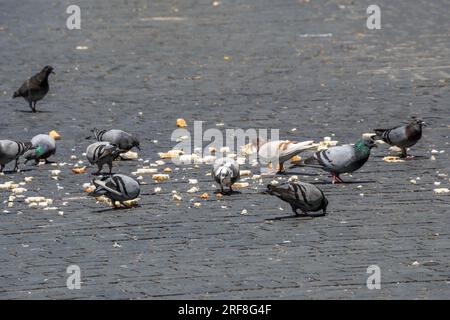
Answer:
(337, 158)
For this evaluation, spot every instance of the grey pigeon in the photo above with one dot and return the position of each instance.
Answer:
(44, 147)
(12, 150)
(301, 196)
(35, 88)
(342, 159)
(122, 139)
(403, 136)
(101, 153)
(225, 172)
(118, 187)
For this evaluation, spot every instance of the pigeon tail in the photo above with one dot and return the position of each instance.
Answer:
(16, 94)
(378, 134)
(311, 160)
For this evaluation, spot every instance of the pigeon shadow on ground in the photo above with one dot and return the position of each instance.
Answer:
(227, 193)
(12, 172)
(324, 182)
(102, 174)
(112, 209)
(406, 160)
(32, 166)
(297, 174)
(37, 111)
(299, 217)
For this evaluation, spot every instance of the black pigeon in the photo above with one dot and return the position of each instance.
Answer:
(35, 88)
(301, 196)
(403, 136)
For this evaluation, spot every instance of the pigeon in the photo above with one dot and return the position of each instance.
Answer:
(117, 187)
(225, 172)
(301, 196)
(342, 159)
(35, 88)
(44, 147)
(100, 153)
(12, 150)
(279, 151)
(402, 136)
(122, 139)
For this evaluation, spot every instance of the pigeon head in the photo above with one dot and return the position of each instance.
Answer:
(34, 153)
(270, 188)
(99, 191)
(136, 143)
(273, 190)
(29, 155)
(47, 70)
(110, 149)
(365, 145)
(417, 123)
(224, 175)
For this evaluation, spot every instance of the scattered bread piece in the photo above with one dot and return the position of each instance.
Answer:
(170, 154)
(441, 190)
(145, 171)
(55, 135)
(240, 185)
(392, 159)
(160, 177)
(245, 172)
(79, 170)
(181, 123)
(130, 155)
(89, 189)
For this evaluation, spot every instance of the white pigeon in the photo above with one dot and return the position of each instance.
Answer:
(279, 151)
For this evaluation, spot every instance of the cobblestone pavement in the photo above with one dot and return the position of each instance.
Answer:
(307, 64)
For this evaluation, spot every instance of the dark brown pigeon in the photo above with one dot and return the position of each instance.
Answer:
(35, 88)
(301, 196)
(403, 136)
